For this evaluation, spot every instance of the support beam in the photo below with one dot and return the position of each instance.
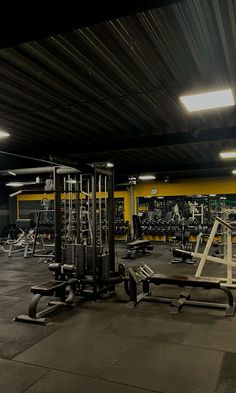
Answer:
(168, 169)
(180, 138)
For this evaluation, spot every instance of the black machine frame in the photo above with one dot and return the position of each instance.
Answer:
(90, 270)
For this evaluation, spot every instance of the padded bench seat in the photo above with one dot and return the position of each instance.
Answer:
(48, 288)
(138, 246)
(137, 243)
(182, 281)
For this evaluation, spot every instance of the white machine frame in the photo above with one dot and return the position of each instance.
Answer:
(227, 258)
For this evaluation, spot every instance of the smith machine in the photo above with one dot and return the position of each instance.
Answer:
(84, 266)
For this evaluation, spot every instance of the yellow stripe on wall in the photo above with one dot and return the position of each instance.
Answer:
(220, 185)
(39, 197)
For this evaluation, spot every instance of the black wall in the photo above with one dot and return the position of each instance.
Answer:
(4, 207)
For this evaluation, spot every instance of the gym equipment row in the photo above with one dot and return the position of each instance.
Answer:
(24, 240)
(84, 258)
(121, 227)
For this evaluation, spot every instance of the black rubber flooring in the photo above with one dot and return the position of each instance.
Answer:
(105, 347)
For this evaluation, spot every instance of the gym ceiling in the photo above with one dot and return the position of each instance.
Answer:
(103, 84)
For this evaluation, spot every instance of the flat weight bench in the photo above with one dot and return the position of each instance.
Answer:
(184, 298)
(49, 288)
(138, 246)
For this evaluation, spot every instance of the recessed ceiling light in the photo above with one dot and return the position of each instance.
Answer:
(147, 177)
(4, 134)
(228, 154)
(210, 100)
(234, 172)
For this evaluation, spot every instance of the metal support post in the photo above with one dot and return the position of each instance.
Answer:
(111, 231)
(57, 215)
(77, 207)
(131, 192)
(94, 232)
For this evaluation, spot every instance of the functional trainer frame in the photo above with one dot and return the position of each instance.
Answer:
(88, 263)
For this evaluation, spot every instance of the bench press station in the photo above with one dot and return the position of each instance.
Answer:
(138, 246)
(145, 276)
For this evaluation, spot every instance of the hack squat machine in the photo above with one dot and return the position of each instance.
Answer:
(84, 251)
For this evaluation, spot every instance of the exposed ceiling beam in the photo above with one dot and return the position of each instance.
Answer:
(180, 138)
(193, 166)
(37, 21)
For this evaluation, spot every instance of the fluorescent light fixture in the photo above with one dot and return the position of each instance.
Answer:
(212, 195)
(15, 193)
(72, 181)
(234, 172)
(160, 197)
(228, 154)
(15, 184)
(147, 177)
(4, 134)
(223, 198)
(21, 184)
(110, 165)
(210, 100)
(12, 173)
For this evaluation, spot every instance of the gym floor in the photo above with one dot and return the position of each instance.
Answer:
(105, 347)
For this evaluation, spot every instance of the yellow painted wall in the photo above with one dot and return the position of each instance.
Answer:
(220, 185)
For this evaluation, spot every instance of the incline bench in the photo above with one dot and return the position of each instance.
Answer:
(138, 246)
(49, 288)
(147, 277)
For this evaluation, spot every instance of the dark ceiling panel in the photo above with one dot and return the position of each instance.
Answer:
(113, 88)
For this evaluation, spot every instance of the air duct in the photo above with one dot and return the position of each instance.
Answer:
(42, 169)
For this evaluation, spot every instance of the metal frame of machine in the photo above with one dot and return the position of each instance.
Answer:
(86, 265)
(144, 276)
